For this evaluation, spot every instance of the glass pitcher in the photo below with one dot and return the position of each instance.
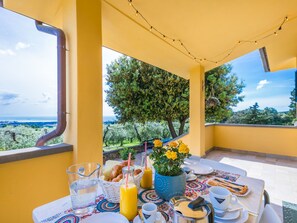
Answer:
(83, 185)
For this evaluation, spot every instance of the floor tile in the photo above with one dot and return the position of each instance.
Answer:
(279, 174)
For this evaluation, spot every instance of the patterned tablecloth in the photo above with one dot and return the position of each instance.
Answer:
(193, 190)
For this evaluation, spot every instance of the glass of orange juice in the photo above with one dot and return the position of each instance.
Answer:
(147, 177)
(128, 194)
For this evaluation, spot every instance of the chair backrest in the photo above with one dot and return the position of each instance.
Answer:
(269, 215)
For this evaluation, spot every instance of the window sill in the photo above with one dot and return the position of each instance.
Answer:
(33, 152)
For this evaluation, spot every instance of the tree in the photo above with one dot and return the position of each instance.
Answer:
(139, 92)
(254, 115)
(222, 90)
(292, 106)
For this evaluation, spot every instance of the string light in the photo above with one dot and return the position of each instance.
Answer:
(151, 28)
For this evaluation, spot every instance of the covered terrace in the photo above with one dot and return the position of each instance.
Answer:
(186, 38)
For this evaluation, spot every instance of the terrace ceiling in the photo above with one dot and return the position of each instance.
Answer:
(209, 29)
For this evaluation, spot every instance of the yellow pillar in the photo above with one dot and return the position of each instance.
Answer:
(197, 111)
(82, 25)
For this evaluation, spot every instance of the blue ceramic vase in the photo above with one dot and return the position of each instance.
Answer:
(167, 187)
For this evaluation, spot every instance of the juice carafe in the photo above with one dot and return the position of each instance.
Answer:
(147, 177)
(128, 195)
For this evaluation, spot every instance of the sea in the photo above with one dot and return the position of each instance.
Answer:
(39, 120)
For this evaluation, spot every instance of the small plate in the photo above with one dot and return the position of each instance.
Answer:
(202, 169)
(238, 195)
(106, 217)
(161, 219)
(244, 216)
(229, 215)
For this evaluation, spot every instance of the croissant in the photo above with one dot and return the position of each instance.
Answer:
(116, 170)
(236, 189)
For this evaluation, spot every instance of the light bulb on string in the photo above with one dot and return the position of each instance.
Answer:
(186, 50)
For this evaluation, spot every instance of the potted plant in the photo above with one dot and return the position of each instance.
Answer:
(170, 180)
(124, 154)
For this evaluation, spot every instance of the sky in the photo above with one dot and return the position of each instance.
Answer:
(28, 73)
(28, 67)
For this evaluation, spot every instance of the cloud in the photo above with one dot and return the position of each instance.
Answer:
(261, 84)
(8, 98)
(45, 98)
(21, 45)
(7, 52)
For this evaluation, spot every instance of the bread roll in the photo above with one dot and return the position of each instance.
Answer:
(118, 178)
(116, 170)
(124, 163)
(137, 171)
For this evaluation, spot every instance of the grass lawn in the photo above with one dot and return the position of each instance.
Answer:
(125, 144)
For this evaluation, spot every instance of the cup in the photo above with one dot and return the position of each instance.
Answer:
(188, 171)
(221, 198)
(149, 211)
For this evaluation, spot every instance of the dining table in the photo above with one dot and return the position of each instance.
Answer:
(60, 211)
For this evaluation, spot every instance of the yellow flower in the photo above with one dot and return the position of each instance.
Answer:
(173, 144)
(158, 143)
(171, 155)
(183, 148)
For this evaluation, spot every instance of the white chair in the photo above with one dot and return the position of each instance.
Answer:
(269, 215)
(219, 166)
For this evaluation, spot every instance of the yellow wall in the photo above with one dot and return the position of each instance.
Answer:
(197, 114)
(281, 141)
(30, 183)
(209, 137)
(82, 25)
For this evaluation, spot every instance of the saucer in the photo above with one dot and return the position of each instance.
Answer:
(244, 215)
(229, 215)
(191, 177)
(160, 220)
(202, 169)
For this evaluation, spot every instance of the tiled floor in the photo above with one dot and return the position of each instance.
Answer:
(279, 174)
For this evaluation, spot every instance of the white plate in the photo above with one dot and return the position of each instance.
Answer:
(162, 219)
(106, 217)
(244, 216)
(238, 195)
(202, 169)
(229, 215)
(191, 177)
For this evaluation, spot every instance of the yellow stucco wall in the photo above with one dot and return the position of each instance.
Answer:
(82, 26)
(30, 183)
(197, 114)
(280, 141)
(209, 137)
